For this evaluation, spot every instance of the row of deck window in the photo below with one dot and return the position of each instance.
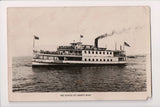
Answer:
(98, 60)
(97, 52)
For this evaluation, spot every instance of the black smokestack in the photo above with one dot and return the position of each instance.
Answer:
(101, 37)
(96, 42)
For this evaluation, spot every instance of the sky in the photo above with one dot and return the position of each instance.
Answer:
(57, 26)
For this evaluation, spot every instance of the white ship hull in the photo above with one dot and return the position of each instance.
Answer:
(36, 63)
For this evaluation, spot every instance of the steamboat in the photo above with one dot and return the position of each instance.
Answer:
(79, 54)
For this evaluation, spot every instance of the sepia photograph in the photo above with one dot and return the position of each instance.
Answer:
(85, 50)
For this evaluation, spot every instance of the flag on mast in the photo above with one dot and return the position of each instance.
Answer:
(81, 36)
(126, 44)
(36, 37)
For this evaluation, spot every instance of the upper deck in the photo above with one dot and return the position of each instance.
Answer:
(78, 49)
(79, 46)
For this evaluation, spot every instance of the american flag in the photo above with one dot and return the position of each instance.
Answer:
(36, 37)
(126, 44)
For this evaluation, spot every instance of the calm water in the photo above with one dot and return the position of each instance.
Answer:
(128, 78)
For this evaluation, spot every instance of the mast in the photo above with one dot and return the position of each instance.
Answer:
(81, 36)
(116, 46)
(35, 38)
(33, 42)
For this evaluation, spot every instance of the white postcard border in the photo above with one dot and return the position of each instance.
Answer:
(27, 5)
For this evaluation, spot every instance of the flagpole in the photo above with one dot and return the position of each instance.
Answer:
(116, 46)
(81, 36)
(33, 42)
(123, 47)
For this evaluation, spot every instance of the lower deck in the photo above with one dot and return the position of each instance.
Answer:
(34, 62)
(58, 59)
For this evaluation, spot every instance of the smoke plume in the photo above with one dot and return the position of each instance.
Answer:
(124, 30)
